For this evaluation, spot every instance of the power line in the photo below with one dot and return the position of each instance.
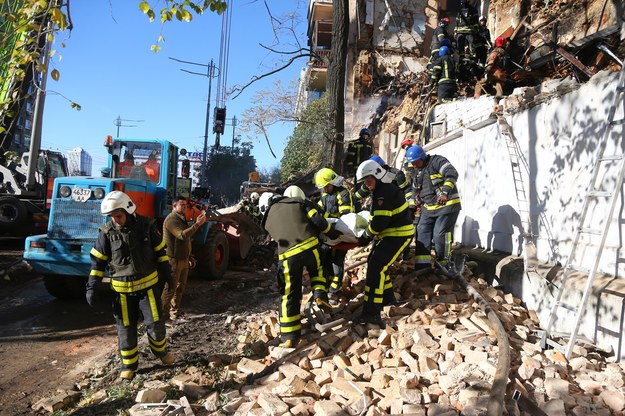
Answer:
(119, 123)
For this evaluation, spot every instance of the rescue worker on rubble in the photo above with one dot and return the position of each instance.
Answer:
(483, 42)
(336, 200)
(295, 223)
(391, 227)
(437, 196)
(134, 251)
(495, 71)
(440, 35)
(178, 236)
(358, 151)
(444, 76)
(466, 28)
(250, 206)
(396, 176)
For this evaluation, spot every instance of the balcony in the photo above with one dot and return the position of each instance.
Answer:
(322, 61)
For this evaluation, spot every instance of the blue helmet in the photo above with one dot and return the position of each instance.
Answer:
(377, 159)
(445, 42)
(444, 50)
(415, 153)
(364, 131)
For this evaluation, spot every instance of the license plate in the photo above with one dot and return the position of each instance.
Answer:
(81, 194)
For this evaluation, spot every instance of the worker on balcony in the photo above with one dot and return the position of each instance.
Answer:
(357, 152)
(444, 76)
(391, 226)
(295, 223)
(152, 167)
(495, 72)
(126, 166)
(132, 249)
(336, 200)
(437, 196)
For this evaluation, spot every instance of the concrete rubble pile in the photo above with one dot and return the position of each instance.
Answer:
(437, 356)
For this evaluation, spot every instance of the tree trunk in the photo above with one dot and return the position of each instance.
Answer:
(336, 83)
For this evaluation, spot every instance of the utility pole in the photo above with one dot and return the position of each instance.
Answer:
(234, 127)
(119, 123)
(210, 74)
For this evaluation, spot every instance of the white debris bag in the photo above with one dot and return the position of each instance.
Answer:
(352, 226)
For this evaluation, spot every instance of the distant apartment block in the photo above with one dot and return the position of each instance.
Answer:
(79, 162)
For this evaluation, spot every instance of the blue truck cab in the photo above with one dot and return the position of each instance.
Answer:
(146, 170)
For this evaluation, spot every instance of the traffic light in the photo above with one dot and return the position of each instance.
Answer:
(219, 120)
(186, 168)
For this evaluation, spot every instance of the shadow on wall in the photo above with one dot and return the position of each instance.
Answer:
(502, 229)
(470, 233)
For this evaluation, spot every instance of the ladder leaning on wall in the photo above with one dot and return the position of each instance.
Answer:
(585, 228)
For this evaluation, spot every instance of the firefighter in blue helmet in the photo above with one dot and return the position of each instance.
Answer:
(132, 248)
(390, 225)
(444, 75)
(434, 185)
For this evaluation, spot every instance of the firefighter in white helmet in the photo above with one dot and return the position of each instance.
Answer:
(295, 223)
(132, 248)
(391, 226)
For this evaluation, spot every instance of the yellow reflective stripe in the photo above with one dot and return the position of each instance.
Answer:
(128, 361)
(158, 346)
(402, 231)
(95, 272)
(97, 254)
(345, 208)
(436, 176)
(287, 319)
(382, 212)
(135, 286)
(287, 329)
(450, 184)
(371, 230)
(124, 307)
(153, 307)
(162, 258)
(160, 246)
(322, 279)
(434, 207)
(300, 247)
(311, 212)
(327, 228)
(388, 213)
(287, 288)
(128, 353)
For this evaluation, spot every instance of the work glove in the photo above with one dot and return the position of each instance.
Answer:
(364, 240)
(441, 198)
(90, 294)
(333, 233)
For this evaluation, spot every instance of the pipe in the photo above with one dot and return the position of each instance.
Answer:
(498, 391)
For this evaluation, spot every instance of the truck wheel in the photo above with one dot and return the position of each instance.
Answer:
(13, 213)
(213, 257)
(65, 287)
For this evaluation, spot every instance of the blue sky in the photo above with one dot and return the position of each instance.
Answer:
(108, 68)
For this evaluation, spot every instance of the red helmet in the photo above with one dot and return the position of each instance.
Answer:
(407, 142)
(444, 21)
(500, 41)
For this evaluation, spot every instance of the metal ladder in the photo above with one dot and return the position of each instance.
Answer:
(517, 174)
(593, 193)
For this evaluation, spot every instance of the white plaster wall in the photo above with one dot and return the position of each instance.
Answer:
(558, 141)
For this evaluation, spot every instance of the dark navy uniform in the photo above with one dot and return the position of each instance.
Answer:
(138, 267)
(391, 224)
(295, 225)
(437, 177)
(444, 75)
(357, 152)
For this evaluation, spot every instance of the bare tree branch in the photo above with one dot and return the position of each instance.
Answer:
(262, 128)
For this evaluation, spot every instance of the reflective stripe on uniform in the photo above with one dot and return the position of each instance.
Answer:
(160, 246)
(153, 306)
(129, 357)
(157, 346)
(123, 304)
(135, 285)
(436, 206)
(285, 319)
(298, 248)
(97, 254)
(96, 273)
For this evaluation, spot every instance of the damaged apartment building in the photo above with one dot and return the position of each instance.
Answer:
(526, 161)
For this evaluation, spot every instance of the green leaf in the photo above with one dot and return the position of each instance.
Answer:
(155, 48)
(76, 106)
(55, 74)
(151, 15)
(144, 6)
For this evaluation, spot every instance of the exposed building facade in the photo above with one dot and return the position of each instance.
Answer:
(79, 162)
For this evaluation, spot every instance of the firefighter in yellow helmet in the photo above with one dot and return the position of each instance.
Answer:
(295, 223)
(132, 248)
(336, 200)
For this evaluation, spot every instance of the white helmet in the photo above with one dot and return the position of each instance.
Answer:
(254, 196)
(264, 202)
(117, 200)
(294, 191)
(370, 168)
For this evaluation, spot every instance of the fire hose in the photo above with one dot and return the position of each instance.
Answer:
(498, 391)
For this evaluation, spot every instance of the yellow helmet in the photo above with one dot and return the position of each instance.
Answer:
(327, 176)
